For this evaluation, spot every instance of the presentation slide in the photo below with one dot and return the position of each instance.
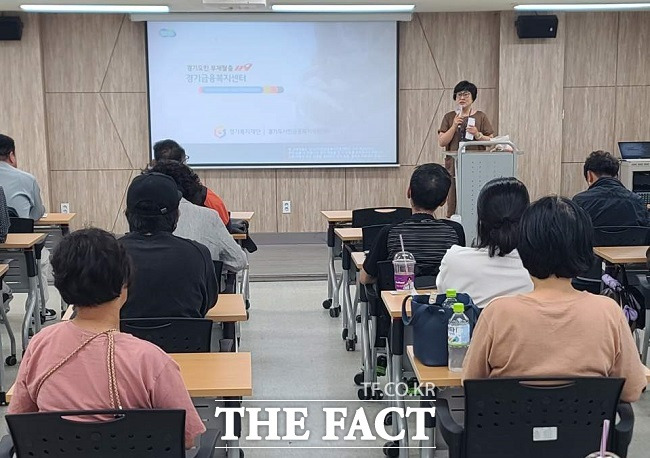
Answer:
(275, 94)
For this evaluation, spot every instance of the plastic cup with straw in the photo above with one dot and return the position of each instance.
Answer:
(603, 453)
(404, 266)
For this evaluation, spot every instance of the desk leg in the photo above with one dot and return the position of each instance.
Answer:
(331, 271)
(346, 305)
(354, 308)
(233, 446)
(397, 351)
(32, 298)
(427, 448)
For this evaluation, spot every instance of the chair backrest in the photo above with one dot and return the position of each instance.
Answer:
(106, 433)
(21, 225)
(218, 268)
(385, 276)
(621, 236)
(370, 234)
(381, 215)
(173, 335)
(504, 417)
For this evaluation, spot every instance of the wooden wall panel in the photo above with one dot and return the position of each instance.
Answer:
(129, 114)
(417, 111)
(465, 46)
(588, 121)
(127, 71)
(632, 113)
(530, 104)
(96, 195)
(77, 49)
(377, 187)
(417, 69)
(309, 192)
(591, 46)
(573, 180)
(21, 91)
(247, 190)
(82, 135)
(633, 50)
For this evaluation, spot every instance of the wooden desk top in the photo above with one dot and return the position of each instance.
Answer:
(3, 269)
(55, 218)
(358, 258)
(337, 216)
(442, 377)
(247, 216)
(439, 376)
(230, 308)
(22, 241)
(393, 301)
(349, 234)
(239, 236)
(216, 374)
(622, 254)
(211, 374)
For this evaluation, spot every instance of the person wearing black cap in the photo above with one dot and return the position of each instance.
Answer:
(173, 276)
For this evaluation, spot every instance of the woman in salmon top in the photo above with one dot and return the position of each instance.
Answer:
(87, 363)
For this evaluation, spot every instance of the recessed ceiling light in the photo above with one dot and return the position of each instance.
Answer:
(95, 8)
(583, 7)
(343, 8)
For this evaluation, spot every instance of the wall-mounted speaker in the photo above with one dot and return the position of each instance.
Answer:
(11, 28)
(536, 26)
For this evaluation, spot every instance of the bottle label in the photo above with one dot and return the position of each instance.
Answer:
(404, 281)
(458, 336)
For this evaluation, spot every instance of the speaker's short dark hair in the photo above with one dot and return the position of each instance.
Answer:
(90, 267)
(168, 149)
(466, 86)
(7, 146)
(429, 186)
(500, 205)
(556, 238)
(601, 163)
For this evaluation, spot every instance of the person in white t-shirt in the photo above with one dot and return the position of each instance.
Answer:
(491, 267)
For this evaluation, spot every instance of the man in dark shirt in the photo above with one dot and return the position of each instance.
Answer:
(425, 237)
(172, 276)
(607, 201)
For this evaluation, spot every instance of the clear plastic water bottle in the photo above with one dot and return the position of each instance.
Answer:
(458, 337)
(451, 299)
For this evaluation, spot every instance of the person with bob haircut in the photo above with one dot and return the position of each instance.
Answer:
(607, 201)
(491, 267)
(171, 151)
(456, 127)
(87, 363)
(425, 237)
(555, 330)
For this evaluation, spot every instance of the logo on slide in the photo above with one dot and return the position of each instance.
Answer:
(220, 131)
(167, 33)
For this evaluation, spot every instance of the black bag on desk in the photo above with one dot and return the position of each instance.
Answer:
(430, 322)
(4, 217)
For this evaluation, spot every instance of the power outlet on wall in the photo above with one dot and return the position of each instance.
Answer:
(65, 207)
(286, 206)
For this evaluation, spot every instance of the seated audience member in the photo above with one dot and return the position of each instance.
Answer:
(555, 330)
(491, 267)
(172, 276)
(199, 223)
(607, 201)
(170, 150)
(23, 195)
(425, 237)
(64, 367)
(21, 189)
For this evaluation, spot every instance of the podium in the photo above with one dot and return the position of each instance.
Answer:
(473, 170)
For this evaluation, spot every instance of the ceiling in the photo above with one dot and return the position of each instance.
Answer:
(180, 6)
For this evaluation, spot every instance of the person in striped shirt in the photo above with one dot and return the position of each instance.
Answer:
(426, 237)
